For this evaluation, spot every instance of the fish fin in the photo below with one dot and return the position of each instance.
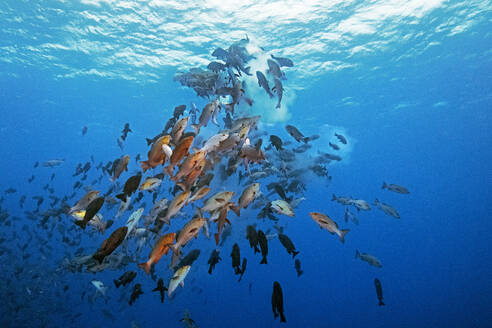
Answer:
(227, 220)
(149, 141)
(81, 223)
(264, 260)
(342, 235)
(357, 254)
(282, 317)
(121, 197)
(196, 127)
(116, 283)
(294, 253)
(145, 266)
(333, 197)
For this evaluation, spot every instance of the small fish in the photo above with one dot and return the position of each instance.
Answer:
(110, 244)
(160, 288)
(395, 188)
(130, 187)
(276, 142)
(297, 265)
(336, 147)
(252, 237)
(372, 260)
(278, 302)
(283, 62)
(136, 292)
(236, 258)
(262, 240)
(213, 260)
(92, 209)
(296, 134)
(100, 287)
(243, 268)
(150, 184)
(350, 216)
(125, 279)
(84, 130)
(263, 83)
(288, 244)
(324, 221)
(387, 209)
(178, 279)
(341, 138)
(379, 291)
(279, 90)
(282, 207)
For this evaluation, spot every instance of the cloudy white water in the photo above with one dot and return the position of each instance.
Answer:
(140, 39)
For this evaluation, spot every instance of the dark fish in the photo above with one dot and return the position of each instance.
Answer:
(36, 164)
(379, 291)
(216, 66)
(221, 54)
(213, 260)
(125, 279)
(280, 191)
(161, 288)
(296, 134)
(178, 111)
(137, 291)
(252, 237)
(263, 82)
(110, 244)
(236, 258)
(31, 179)
(125, 131)
(297, 265)
(188, 259)
(130, 187)
(278, 302)
(283, 62)
(341, 138)
(262, 240)
(288, 244)
(334, 146)
(84, 130)
(91, 210)
(243, 268)
(276, 142)
(395, 188)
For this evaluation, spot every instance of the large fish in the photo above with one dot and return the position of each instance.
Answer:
(325, 222)
(157, 153)
(179, 153)
(110, 244)
(247, 197)
(178, 129)
(217, 201)
(91, 211)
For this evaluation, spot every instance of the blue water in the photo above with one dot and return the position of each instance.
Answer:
(409, 85)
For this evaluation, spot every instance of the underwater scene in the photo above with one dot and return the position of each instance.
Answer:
(245, 163)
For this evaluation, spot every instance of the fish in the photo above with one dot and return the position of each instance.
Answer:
(263, 83)
(279, 90)
(372, 260)
(125, 131)
(282, 207)
(278, 302)
(341, 200)
(252, 237)
(334, 146)
(176, 205)
(216, 66)
(360, 204)
(213, 142)
(213, 260)
(53, 163)
(236, 258)
(297, 266)
(205, 116)
(387, 209)
(217, 201)
(247, 197)
(222, 220)
(341, 138)
(178, 129)
(121, 166)
(160, 288)
(179, 110)
(324, 221)
(189, 164)
(262, 240)
(119, 142)
(83, 202)
(288, 244)
(178, 279)
(283, 62)
(150, 184)
(100, 287)
(191, 257)
(276, 142)
(296, 134)
(84, 130)
(157, 153)
(136, 292)
(274, 70)
(243, 268)
(350, 216)
(92, 209)
(395, 188)
(199, 194)
(379, 291)
(161, 247)
(125, 279)
(130, 187)
(132, 221)
(188, 322)
(110, 244)
(189, 230)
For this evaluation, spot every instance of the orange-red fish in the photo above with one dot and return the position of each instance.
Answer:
(161, 247)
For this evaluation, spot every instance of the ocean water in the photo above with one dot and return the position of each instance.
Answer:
(407, 83)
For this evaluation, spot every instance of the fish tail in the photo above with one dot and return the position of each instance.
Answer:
(342, 235)
(357, 254)
(264, 260)
(145, 165)
(247, 70)
(333, 197)
(282, 317)
(210, 270)
(81, 224)
(294, 253)
(149, 141)
(196, 127)
(217, 237)
(300, 272)
(381, 303)
(116, 283)
(384, 185)
(145, 266)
